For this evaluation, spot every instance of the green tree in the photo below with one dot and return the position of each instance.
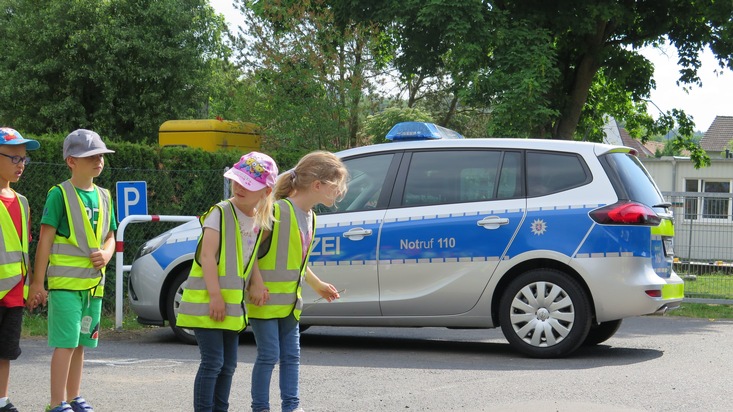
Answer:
(549, 69)
(310, 76)
(121, 67)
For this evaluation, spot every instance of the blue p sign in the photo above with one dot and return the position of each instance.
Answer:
(132, 199)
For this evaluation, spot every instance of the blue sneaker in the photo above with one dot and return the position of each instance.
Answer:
(62, 407)
(80, 405)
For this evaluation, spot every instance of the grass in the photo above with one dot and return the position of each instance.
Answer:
(713, 286)
(36, 324)
(703, 311)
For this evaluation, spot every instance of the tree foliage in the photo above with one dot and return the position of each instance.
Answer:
(549, 70)
(307, 77)
(121, 67)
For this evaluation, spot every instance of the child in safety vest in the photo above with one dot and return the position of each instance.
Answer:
(76, 243)
(274, 298)
(213, 298)
(14, 262)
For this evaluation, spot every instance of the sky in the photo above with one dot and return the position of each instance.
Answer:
(714, 98)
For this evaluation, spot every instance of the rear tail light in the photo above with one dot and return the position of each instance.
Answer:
(626, 213)
(654, 293)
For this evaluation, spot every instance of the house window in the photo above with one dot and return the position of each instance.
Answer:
(715, 206)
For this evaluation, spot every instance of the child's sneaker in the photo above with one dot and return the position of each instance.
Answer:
(62, 407)
(80, 405)
(9, 407)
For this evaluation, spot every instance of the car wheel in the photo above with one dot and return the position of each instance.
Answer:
(544, 313)
(601, 332)
(173, 302)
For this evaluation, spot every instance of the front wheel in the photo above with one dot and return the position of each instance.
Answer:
(545, 313)
(173, 301)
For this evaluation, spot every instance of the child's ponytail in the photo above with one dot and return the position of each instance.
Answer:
(315, 166)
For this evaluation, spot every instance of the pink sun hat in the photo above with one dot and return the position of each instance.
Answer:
(254, 171)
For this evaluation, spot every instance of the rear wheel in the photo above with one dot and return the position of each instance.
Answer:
(173, 301)
(602, 332)
(544, 313)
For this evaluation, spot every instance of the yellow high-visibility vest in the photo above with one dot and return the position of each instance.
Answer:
(14, 260)
(233, 275)
(69, 266)
(283, 266)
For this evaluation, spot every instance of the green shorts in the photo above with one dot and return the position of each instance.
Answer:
(73, 319)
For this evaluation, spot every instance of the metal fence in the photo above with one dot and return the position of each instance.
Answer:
(703, 244)
(170, 192)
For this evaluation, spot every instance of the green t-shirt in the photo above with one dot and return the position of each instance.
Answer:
(54, 212)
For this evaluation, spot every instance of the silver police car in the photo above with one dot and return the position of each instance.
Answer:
(553, 241)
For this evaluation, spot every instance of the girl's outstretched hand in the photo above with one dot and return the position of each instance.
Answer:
(327, 291)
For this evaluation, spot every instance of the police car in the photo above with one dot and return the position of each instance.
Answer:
(553, 241)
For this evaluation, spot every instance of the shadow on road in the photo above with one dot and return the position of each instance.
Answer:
(403, 352)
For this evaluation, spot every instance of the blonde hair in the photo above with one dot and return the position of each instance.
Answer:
(315, 166)
(263, 216)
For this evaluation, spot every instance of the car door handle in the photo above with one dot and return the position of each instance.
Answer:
(357, 233)
(492, 222)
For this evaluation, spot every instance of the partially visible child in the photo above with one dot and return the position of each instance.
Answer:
(14, 261)
(319, 177)
(213, 299)
(76, 243)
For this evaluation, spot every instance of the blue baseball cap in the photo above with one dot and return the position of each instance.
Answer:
(10, 136)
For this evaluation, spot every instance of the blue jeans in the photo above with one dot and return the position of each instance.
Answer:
(277, 340)
(213, 381)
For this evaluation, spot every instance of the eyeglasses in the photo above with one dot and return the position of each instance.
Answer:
(17, 159)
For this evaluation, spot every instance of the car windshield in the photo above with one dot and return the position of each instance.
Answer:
(636, 182)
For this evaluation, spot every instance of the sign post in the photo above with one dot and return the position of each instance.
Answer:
(132, 199)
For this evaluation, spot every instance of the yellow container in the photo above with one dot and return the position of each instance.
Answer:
(210, 135)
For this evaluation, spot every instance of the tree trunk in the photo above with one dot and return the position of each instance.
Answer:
(451, 110)
(357, 82)
(583, 78)
(413, 88)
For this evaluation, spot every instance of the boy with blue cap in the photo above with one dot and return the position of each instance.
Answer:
(14, 239)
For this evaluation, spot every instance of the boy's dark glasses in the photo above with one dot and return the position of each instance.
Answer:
(18, 159)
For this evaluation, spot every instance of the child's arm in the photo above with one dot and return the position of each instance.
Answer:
(326, 290)
(101, 257)
(258, 293)
(209, 248)
(37, 294)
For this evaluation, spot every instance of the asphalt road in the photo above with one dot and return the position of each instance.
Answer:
(652, 364)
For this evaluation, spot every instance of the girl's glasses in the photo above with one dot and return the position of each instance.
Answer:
(18, 159)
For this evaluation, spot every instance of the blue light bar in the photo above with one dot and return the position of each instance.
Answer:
(420, 131)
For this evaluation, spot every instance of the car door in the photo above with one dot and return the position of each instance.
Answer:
(344, 249)
(453, 215)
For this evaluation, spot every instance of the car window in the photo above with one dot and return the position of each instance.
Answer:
(635, 183)
(549, 172)
(444, 177)
(366, 180)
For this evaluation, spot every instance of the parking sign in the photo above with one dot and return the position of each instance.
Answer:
(132, 199)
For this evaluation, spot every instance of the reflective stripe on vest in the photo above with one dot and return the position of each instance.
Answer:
(194, 309)
(13, 250)
(69, 266)
(283, 267)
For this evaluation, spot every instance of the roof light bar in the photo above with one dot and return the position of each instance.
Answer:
(420, 131)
